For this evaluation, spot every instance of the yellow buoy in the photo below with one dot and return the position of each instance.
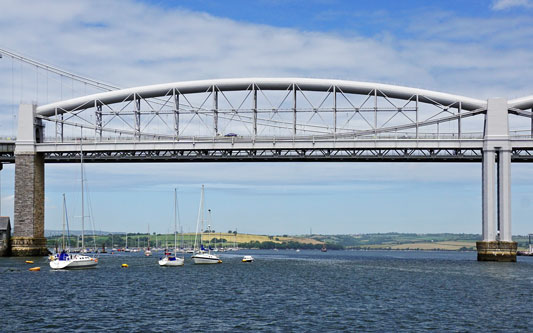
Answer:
(124, 265)
(29, 261)
(35, 269)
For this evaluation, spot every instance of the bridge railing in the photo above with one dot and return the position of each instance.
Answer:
(299, 138)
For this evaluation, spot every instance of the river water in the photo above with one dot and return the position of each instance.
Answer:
(281, 291)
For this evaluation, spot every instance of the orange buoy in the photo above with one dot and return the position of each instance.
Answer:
(35, 269)
(124, 265)
(29, 261)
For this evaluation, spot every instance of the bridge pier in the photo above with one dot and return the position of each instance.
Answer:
(28, 238)
(497, 243)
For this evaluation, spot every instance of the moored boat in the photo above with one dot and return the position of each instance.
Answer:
(201, 255)
(66, 260)
(248, 259)
(148, 251)
(173, 260)
(206, 258)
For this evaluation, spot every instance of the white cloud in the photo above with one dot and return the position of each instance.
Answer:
(506, 4)
(130, 43)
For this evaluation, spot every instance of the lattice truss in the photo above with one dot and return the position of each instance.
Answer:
(519, 120)
(263, 113)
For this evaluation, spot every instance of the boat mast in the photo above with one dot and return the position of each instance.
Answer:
(200, 218)
(82, 197)
(209, 228)
(175, 222)
(166, 241)
(63, 217)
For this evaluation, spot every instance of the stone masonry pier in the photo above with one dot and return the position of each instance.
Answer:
(28, 238)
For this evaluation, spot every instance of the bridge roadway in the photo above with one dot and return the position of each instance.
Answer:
(270, 150)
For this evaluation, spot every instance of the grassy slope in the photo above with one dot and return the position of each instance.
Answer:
(246, 238)
(451, 246)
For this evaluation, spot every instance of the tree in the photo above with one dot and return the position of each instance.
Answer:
(230, 232)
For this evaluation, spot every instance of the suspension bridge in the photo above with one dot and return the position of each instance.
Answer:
(266, 120)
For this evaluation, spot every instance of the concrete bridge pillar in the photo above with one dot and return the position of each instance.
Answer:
(28, 238)
(497, 244)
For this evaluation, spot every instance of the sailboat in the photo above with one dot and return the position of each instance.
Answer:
(148, 252)
(200, 254)
(64, 248)
(170, 260)
(65, 260)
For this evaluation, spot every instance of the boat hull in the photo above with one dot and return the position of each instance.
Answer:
(248, 259)
(172, 263)
(206, 259)
(74, 263)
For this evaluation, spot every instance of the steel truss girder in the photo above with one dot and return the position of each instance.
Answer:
(250, 116)
(271, 155)
(522, 155)
(7, 155)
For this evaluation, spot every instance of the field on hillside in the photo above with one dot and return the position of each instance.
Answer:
(246, 238)
(449, 246)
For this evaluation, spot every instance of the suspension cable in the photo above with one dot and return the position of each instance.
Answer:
(94, 83)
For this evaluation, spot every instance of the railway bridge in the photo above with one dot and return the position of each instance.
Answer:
(273, 120)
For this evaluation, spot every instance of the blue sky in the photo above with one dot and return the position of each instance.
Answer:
(475, 48)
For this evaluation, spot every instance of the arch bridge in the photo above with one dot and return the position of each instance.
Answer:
(274, 119)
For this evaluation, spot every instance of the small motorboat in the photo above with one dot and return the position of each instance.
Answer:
(248, 259)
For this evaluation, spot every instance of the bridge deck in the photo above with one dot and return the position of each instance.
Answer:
(238, 150)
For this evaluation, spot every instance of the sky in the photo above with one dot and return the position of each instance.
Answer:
(479, 49)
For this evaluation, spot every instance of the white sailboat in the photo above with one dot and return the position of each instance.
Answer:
(66, 260)
(148, 252)
(173, 260)
(200, 254)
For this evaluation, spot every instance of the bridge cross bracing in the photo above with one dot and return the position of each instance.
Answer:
(289, 119)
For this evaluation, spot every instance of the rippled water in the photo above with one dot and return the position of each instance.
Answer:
(281, 291)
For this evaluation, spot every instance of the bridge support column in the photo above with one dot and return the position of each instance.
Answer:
(487, 195)
(497, 244)
(29, 237)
